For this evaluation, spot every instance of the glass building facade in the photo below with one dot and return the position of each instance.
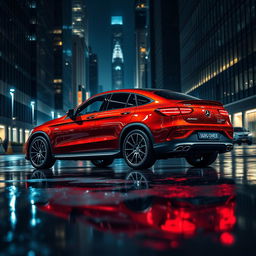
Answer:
(218, 55)
(25, 68)
(164, 57)
(142, 42)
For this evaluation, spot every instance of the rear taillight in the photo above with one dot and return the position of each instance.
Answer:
(223, 112)
(174, 111)
(186, 111)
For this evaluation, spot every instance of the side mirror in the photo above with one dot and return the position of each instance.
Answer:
(70, 113)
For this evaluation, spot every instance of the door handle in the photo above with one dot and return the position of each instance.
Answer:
(90, 117)
(125, 113)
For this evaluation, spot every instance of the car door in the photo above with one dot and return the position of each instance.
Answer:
(110, 122)
(76, 135)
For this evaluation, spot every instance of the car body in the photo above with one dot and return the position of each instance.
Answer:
(242, 135)
(139, 125)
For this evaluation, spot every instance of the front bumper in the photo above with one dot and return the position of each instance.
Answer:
(182, 147)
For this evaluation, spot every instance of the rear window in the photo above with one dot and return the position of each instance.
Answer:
(170, 95)
(142, 100)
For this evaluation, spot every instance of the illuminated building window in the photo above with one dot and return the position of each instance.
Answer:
(116, 20)
(143, 50)
(2, 132)
(57, 31)
(32, 5)
(14, 135)
(250, 116)
(21, 135)
(32, 38)
(59, 43)
(76, 9)
(238, 121)
(57, 81)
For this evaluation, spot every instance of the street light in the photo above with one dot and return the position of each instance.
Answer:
(12, 91)
(32, 103)
(52, 112)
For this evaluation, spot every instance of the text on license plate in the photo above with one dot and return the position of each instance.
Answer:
(208, 136)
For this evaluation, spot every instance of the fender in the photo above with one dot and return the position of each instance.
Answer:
(135, 125)
(34, 135)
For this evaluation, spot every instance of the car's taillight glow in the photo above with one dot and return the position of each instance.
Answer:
(186, 111)
(174, 111)
(223, 112)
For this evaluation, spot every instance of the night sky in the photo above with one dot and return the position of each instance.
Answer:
(99, 14)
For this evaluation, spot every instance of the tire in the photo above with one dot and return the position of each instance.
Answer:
(40, 154)
(197, 159)
(137, 150)
(102, 163)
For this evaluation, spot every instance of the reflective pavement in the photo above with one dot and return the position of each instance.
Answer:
(173, 209)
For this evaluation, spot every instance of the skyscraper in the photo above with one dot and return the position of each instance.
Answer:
(117, 52)
(218, 53)
(26, 94)
(164, 48)
(93, 73)
(80, 51)
(142, 43)
(62, 45)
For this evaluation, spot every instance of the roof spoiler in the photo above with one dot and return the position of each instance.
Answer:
(202, 102)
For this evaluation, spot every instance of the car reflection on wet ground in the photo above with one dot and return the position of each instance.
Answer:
(77, 209)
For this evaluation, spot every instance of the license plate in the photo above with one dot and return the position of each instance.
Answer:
(208, 136)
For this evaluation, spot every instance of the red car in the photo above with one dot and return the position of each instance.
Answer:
(139, 125)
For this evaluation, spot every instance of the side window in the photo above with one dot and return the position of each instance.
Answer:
(118, 100)
(95, 105)
(142, 100)
(132, 101)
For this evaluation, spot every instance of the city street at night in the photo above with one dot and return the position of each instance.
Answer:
(173, 209)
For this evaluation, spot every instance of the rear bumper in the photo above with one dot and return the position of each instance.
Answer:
(182, 147)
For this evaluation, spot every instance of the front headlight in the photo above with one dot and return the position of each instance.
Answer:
(250, 134)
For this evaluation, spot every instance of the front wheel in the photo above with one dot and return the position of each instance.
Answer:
(138, 150)
(201, 159)
(40, 154)
(102, 163)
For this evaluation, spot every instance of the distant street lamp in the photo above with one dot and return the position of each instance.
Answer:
(52, 112)
(32, 103)
(12, 91)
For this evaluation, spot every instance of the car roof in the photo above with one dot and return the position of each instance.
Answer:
(145, 92)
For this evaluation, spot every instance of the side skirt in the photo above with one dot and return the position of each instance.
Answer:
(88, 155)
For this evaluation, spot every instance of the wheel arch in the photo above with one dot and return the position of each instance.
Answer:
(36, 134)
(133, 126)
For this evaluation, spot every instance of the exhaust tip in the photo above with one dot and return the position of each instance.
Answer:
(186, 148)
(179, 148)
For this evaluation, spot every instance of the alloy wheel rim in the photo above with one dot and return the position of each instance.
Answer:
(135, 148)
(38, 152)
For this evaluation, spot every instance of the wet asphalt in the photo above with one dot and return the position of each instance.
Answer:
(171, 209)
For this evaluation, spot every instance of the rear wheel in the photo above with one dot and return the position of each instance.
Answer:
(40, 154)
(102, 163)
(138, 150)
(199, 159)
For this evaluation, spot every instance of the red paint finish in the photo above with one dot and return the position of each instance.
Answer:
(166, 120)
